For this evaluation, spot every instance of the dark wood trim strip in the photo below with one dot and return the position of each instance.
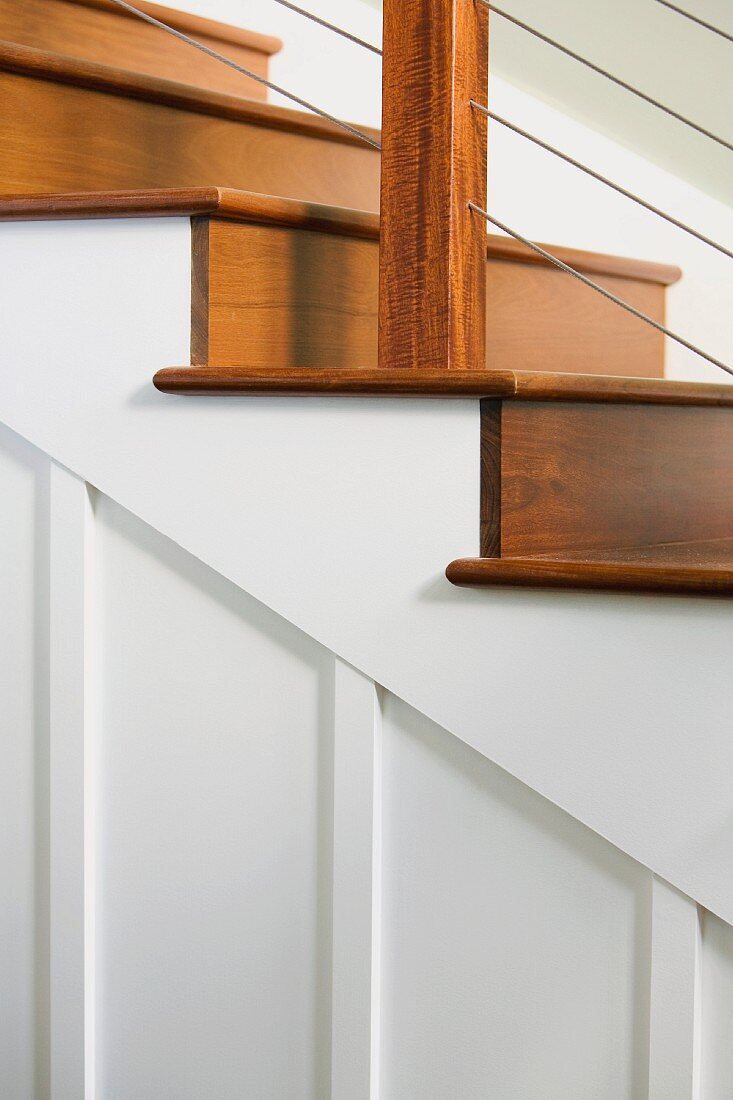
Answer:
(58, 68)
(195, 25)
(603, 576)
(512, 385)
(490, 533)
(222, 202)
(591, 263)
(432, 270)
(269, 210)
(200, 290)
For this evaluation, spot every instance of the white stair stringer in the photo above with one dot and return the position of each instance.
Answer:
(341, 516)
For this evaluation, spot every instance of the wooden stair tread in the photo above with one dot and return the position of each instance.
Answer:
(711, 576)
(283, 282)
(99, 31)
(703, 554)
(65, 69)
(241, 205)
(506, 385)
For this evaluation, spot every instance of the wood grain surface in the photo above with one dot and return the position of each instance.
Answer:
(285, 297)
(241, 205)
(432, 279)
(509, 385)
(279, 296)
(98, 31)
(659, 579)
(606, 477)
(70, 136)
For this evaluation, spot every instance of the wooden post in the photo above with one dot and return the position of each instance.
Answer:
(432, 304)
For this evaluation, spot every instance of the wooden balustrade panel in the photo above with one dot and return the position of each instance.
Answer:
(98, 31)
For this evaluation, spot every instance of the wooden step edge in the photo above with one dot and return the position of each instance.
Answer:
(44, 65)
(507, 385)
(222, 202)
(239, 205)
(590, 263)
(670, 579)
(194, 25)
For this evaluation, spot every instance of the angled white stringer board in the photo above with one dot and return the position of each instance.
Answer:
(608, 706)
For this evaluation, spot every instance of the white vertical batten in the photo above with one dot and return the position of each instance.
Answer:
(674, 1031)
(71, 823)
(356, 887)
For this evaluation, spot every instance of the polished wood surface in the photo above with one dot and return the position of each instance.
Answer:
(278, 296)
(229, 203)
(310, 278)
(590, 263)
(96, 30)
(321, 295)
(490, 506)
(703, 580)
(432, 257)
(505, 384)
(200, 291)
(45, 65)
(109, 135)
(597, 477)
(539, 315)
(242, 205)
(288, 296)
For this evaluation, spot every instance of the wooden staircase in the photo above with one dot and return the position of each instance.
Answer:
(93, 101)
(596, 472)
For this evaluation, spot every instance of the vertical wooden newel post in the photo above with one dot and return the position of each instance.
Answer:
(432, 306)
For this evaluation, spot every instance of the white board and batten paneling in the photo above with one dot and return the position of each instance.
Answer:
(262, 875)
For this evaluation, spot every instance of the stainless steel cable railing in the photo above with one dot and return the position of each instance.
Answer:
(603, 179)
(353, 130)
(608, 76)
(329, 26)
(473, 206)
(696, 19)
(599, 289)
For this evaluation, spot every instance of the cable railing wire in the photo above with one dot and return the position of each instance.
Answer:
(603, 179)
(329, 26)
(609, 76)
(601, 290)
(353, 130)
(696, 19)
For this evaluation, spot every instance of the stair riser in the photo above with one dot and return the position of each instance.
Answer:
(108, 35)
(561, 479)
(57, 136)
(276, 297)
